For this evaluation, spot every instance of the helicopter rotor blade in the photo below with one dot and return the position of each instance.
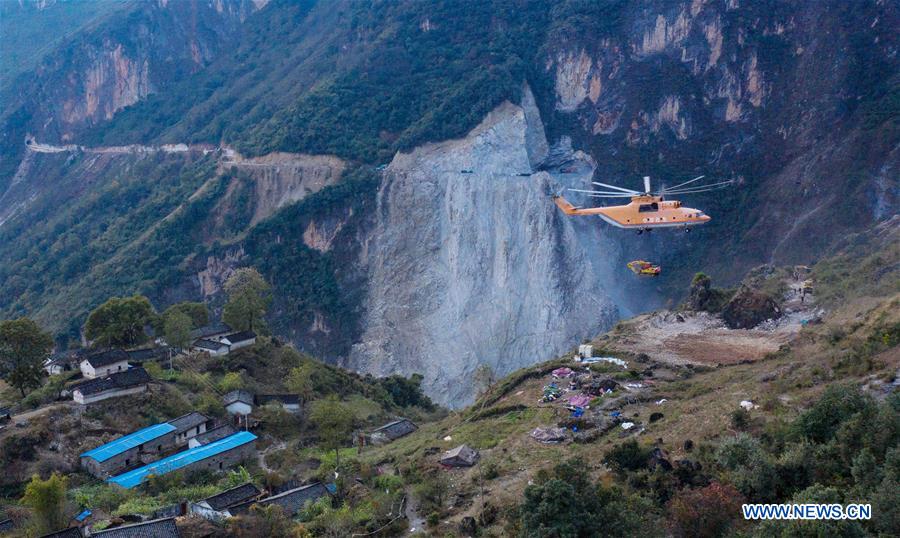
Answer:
(725, 182)
(606, 193)
(629, 191)
(667, 189)
(705, 188)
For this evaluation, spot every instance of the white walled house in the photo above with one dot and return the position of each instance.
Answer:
(104, 363)
(131, 381)
(215, 332)
(213, 347)
(239, 340)
(238, 402)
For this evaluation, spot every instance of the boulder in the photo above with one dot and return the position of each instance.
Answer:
(659, 458)
(468, 526)
(748, 308)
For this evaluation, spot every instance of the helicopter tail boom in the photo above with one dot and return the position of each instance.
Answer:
(565, 205)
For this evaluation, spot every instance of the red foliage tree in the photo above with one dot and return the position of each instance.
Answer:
(705, 512)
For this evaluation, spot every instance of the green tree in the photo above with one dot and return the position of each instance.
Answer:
(813, 529)
(565, 503)
(334, 422)
(177, 329)
(838, 403)
(749, 468)
(47, 499)
(119, 322)
(249, 296)
(300, 382)
(231, 381)
(23, 348)
(197, 312)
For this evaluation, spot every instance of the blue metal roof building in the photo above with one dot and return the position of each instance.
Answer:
(182, 459)
(127, 442)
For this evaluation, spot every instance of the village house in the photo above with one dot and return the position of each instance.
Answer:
(288, 402)
(131, 381)
(239, 339)
(216, 456)
(71, 532)
(219, 432)
(189, 426)
(155, 354)
(238, 402)
(214, 332)
(64, 361)
(104, 363)
(158, 528)
(216, 508)
(393, 430)
(223, 345)
(213, 347)
(291, 501)
(461, 456)
(126, 451)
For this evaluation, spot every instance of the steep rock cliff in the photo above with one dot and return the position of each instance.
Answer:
(134, 51)
(470, 262)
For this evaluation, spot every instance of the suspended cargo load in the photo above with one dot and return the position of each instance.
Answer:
(643, 268)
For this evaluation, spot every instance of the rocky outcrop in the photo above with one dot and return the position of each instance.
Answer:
(137, 50)
(283, 178)
(748, 308)
(113, 80)
(470, 262)
(218, 269)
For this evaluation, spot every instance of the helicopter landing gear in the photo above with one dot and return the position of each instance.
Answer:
(642, 230)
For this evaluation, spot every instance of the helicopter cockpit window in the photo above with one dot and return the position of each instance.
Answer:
(646, 208)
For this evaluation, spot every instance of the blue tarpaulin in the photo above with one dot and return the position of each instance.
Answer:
(182, 459)
(82, 516)
(127, 442)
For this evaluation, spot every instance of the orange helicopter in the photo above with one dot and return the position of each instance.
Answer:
(646, 210)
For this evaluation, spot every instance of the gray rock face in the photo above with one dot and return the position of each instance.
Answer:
(470, 263)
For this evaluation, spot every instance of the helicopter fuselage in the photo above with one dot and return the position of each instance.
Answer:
(643, 213)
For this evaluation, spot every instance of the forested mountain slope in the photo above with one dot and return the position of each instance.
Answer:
(796, 102)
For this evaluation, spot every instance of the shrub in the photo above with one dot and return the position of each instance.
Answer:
(740, 419)
(565, 502)
(749, 467)
(628, 456)
(803, 528)
(704, 512)
(231, 381)
(839, 402)
(390, 483)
